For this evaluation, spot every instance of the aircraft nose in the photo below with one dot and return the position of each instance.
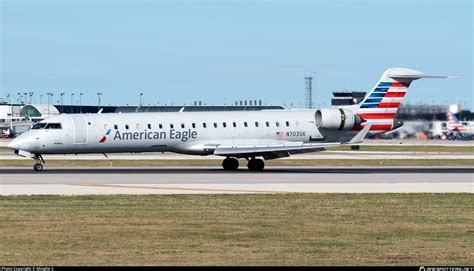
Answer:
(14, 144)
(22, 142)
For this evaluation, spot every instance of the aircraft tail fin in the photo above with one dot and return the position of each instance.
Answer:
(380, 104)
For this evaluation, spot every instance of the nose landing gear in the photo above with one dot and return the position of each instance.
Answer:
(38, 166)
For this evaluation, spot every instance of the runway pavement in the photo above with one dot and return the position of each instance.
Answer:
(193, 180)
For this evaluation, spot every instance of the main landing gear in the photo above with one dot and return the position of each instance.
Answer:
(232, 164)
(38, 166)
(256, 164)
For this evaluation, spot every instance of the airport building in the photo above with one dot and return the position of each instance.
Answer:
(17, 118)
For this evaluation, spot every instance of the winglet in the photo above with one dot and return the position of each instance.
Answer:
(359, 137)
(100, 111)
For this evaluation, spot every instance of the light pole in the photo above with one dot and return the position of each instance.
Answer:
(8, 102)
(41, 96)
(141, 94)
(80, 102)
(25, 96)
(50, 97)
(99, 94)
(62, 101)
(72, 102)
(31, 95)
(19, 98)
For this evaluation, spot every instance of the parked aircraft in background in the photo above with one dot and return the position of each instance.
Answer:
(455, 126)
(267, 134)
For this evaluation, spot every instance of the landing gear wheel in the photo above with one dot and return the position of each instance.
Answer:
(230, 164)
(256, 164)
(38, 167)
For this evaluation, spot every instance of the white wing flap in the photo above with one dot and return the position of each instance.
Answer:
(242, 149)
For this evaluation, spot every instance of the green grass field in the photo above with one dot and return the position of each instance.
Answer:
(289, 229)
(217, 163)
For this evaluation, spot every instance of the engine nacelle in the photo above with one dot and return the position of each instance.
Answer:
(336, 119)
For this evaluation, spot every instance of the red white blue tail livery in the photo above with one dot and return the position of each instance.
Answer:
(380, 105)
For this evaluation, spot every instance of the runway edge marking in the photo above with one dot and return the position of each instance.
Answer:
(183, 188)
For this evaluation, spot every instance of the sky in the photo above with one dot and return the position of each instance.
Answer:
(224, 51)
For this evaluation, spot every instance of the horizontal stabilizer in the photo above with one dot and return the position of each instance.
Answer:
(404, 73)
(412, 76)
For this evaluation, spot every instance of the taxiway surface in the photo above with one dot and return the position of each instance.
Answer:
(193, 180)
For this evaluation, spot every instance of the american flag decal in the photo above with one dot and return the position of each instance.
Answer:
(280, 134)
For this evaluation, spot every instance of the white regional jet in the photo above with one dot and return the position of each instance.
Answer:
(268, 134)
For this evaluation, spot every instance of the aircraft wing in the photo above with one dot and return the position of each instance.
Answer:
(285, 148)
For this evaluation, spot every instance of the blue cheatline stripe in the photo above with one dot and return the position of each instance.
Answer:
(385, 84)
(108, 132)
(376, 95)
(369, 106)
(383, 90)
(375, 100)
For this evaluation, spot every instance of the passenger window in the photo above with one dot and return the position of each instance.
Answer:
(182, 125)
(245, 124)
(267, 124)
(126, 126)
(277, 124)
(171, 125)
(160, 126)
(256, 124)
(297, 123)
(204, 125)
(193, 125)
(149, 126)
(138, 126)
(215, 124)
(234, 124)
(106, 127)
(224, 124)
(287, 124)
(115, 126)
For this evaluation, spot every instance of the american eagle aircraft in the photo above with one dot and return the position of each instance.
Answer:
(267, 134)
(454, 125)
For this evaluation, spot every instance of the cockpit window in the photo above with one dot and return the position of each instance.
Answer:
(53, 126)
(39, 125)
(42, 125)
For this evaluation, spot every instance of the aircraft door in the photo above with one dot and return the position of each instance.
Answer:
(235, 130)
(80, 129)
